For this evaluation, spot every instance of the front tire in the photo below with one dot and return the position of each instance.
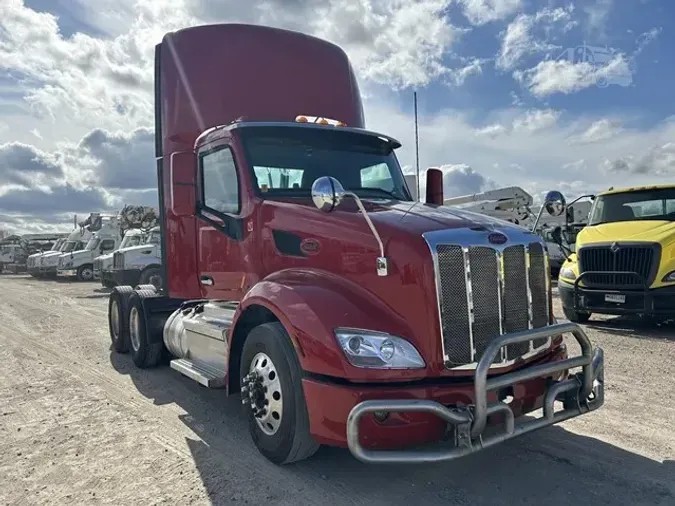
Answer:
(576, 316)
(151, 276)
(271, 376)
(85, 273)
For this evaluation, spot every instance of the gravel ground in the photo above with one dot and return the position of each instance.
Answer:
(80, 425)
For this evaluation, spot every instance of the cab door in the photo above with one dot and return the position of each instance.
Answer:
(219, 228)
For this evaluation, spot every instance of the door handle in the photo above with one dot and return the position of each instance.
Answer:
(206, 280)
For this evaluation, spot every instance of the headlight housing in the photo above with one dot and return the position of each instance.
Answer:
(370, 349)
(567, 273)
(669, 278)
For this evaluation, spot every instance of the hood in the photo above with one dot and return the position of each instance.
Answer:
(139, 248)
(80, 253)
(51, 253)
(638, 230)
(103, 258)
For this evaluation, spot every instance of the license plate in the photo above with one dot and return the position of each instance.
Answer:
(615, 297)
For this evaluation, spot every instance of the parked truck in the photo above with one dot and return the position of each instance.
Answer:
(105, 238)
(300, 277)
(103, 264)
(76, 240)
(33, 261)
(625, 257)
(141, 264)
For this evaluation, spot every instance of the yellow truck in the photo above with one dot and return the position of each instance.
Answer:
(624, 260)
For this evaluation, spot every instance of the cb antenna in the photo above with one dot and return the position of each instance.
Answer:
(417, 146)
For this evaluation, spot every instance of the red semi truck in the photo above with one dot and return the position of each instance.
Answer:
(301, 274)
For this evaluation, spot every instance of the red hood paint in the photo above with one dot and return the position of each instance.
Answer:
(343, 245)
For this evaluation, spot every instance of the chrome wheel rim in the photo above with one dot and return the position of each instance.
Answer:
(134, 333)
(266, 397)
(87, 274)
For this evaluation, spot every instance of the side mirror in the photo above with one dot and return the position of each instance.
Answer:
(182, 176)
(554, 203)
(327, 193)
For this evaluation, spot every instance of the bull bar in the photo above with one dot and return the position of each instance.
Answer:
(580, 393)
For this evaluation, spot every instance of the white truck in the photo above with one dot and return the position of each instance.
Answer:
(33, 261)
(140, 265)
(103, 264)
(48, 263)
(105, 238)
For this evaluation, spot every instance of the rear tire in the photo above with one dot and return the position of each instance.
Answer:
(576, 316)
(145, 352)
(118, 318)
(283, 438)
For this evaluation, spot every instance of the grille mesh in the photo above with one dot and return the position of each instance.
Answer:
(638, 259)
(454, 308)
(495, 301)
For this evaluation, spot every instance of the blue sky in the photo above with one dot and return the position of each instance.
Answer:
(498, 106)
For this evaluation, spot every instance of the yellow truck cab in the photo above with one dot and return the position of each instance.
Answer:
(625, 257)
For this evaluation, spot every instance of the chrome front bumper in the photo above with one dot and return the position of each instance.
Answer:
(580, 393)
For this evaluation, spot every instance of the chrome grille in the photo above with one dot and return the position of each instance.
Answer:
(118, 260)
(97, 264)
(485, 291)
(641, 259)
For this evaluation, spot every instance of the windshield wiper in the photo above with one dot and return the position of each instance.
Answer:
(378, 190)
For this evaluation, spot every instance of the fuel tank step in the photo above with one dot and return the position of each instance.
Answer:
(202, 373)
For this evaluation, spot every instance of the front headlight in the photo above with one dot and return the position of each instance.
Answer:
(567, 273)
(378, 350)
(669, 278)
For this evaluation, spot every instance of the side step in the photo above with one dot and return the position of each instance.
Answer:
(203, 374)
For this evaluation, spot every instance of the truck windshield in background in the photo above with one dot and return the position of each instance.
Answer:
(93, 244)
(286, 161)
(70, 246)
(153, 238)
(657, 204)
(131, 240)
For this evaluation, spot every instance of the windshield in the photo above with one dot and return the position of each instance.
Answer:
(153, 238)
(93, 243)
(131, 240)
(57, 245)
(634, 206)
(286, 161)
(70, 245)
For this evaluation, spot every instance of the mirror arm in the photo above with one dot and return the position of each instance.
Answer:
(382, 265)
(536, 222)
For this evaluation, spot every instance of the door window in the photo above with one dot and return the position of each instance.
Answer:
(220, 188)
(108, 245)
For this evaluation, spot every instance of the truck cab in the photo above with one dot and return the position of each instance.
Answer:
(300, 274)
(33, 261)
(105, 238)
(141, 264)
(625, 257)
(103, 263)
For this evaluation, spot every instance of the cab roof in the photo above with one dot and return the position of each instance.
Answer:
(628, 189)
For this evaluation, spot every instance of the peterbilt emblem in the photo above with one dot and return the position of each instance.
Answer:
(614, 247)
(497, 238)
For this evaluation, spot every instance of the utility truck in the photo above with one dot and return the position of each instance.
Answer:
(76, 240)
(141, 264)
(105, 237)
(33, 261)
(300, 274)
(624, 262)
(103, 264)
(15, 250)
(134, 224)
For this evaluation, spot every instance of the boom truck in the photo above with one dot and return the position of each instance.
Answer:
(140, 264)
(300, 274)
(103, 263)
(48, 264)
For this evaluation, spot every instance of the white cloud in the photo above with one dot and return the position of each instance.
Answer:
(550, 76)
(519, 38)
(480, 12)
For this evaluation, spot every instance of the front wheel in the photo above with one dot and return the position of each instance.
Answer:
(272, 392)
(576, 316)
(85, 273)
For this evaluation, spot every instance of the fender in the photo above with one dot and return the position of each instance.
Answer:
(310, 304)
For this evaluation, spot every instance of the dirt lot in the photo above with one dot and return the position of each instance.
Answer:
(80, 425)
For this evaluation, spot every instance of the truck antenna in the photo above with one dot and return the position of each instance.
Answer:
(417, 146)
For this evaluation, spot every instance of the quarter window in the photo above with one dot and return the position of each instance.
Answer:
(108, 244)
(220, 189)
